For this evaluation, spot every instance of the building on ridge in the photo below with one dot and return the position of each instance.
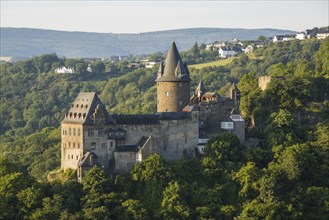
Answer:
(178, 130)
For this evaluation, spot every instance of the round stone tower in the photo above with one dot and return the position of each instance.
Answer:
(173, 83)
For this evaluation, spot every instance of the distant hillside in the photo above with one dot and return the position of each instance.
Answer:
(30, 42)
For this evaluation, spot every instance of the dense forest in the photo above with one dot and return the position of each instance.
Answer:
(283, 174)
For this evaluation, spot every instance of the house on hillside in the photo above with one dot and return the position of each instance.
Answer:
(301, 36)
(278, 38)
(322, 34)
(225, 52)
(249, 49)
(289, 37)
(65, 70)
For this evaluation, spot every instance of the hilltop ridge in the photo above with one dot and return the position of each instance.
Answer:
(30, 42)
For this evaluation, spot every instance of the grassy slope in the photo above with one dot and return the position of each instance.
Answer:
(222, 62)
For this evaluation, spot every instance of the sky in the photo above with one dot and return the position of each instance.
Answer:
(145, 16)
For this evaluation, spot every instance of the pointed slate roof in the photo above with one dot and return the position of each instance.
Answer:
(200, 88)
(173, 69)
(86, 109)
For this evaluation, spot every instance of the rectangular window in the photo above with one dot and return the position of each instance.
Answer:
(93, 146)
(78, 131)
(63, 132)
(78, 145)
(69, 131)
(74, 131)
(72, 156)
(111, 143)
(104, 146)
(73, 145)
(68, 156)
(90, 132)
(100, 132)
(77, 157)
(69, 144)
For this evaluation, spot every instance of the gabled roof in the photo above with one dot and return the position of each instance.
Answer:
(88, 160)
(173, 70)
(135, 119)
(127, 148)
(86, 108)
(173, 115)
(133, 147)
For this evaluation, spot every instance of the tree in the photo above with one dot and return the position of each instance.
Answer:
(173, 206)
(282, 128)
(81, 67)
(153, 168)
(134, 210)
(250, 93)
(223, 154)
(97, 66)
(248, 176)
(321, 59)
(96, 180)
(261, 38)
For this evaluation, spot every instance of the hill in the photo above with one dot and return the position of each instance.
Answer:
(29, 42)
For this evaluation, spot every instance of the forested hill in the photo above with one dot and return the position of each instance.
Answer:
(30, 42)
(283, 176)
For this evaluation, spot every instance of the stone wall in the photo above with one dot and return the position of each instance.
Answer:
(175, 138)
(212, 115)
(71, 145)
(96, 141)
(124, 161)
(172, 96)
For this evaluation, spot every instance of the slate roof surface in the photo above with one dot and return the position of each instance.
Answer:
(174, 70)
(173, 115)
(83, 107)
(135, 119)
(85, 161)
(127, 148)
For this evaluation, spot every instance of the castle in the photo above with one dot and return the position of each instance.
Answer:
(178, 130)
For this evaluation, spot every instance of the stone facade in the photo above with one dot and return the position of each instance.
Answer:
(172, 96)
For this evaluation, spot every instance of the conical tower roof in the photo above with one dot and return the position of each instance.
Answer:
(173, 70)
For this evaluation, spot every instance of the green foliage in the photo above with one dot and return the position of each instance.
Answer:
(223, 154)
(151, 169)
(173, 206)
(96, 180)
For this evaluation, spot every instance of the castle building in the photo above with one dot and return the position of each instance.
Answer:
(178, 130)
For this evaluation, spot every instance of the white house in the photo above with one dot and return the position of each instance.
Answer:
(65, 70)
(288, 37)
(322, 34)
(278, 38)
(301, 36)
(249, 49)
(225, 52)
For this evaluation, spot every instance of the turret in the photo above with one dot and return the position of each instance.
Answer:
(173, 83)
